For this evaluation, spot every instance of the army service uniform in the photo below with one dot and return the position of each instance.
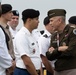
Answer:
(65, 60)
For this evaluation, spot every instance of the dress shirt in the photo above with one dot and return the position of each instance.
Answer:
(10, 43)
(44, 44)
(13, 33)
(25, 44)
(36, 33)
(5, 58)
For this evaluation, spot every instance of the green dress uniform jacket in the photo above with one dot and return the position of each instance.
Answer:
(65, 60)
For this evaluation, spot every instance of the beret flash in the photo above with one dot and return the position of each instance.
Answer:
(15, 12)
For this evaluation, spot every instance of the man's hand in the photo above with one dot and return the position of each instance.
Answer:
(10, 70)
(51, 49)
(62, 48)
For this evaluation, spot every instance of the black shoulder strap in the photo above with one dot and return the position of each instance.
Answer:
(6, 36)
(45, 36)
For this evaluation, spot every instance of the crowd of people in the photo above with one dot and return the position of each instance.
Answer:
(28, 51)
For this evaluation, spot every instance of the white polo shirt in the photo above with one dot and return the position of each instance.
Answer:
(5, 58)
(44, 43)
(25, 44)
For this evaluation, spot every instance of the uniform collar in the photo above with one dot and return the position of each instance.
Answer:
(5, 26)
(66, 28)
(26, 30)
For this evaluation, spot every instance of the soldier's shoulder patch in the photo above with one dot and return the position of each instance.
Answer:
(74, 31)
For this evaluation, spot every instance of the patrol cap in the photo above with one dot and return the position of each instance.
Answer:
(6, 8)
(46, 20)
(72, 20)
(30, 13)
(56, 12)
(15, 12)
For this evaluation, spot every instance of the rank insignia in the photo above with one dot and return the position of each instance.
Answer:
(74, 31)
(45, 36)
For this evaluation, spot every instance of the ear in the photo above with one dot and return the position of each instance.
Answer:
(29, 19)
(59, 20)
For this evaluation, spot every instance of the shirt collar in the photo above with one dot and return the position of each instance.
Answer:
(26, 30)
(5, 26)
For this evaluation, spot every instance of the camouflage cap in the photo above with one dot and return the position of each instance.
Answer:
(56, 12)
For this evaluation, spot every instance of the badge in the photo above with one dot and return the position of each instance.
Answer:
(74, 31)
(33, 51)
(63, 44)
(33, 43)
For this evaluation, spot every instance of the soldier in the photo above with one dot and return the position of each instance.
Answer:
(72, 21)
(13, 23)
(63, 45)
(26, 48)
(6, 62)
(44, 43)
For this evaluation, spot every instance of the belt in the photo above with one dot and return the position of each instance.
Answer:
(38, 71)
(21, 68)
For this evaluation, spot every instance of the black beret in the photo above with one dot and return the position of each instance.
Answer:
(15, 12)
(6, 8)
(46, 21)
(72, 20)
(30, 13)
(56, 12)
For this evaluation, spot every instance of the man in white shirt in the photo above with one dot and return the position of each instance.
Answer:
(13, 23)
(5, 58)
(26, 48)
(44, 44)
